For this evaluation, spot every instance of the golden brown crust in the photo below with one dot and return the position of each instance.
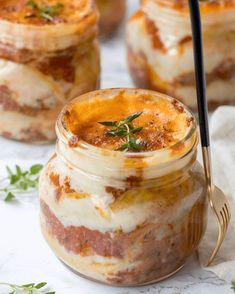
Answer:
(163, 123)
(18, 11)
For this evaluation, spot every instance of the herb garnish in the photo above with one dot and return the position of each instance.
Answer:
(126, 129)
(28, 288)
(19, 181)
(233, 286)
(44, 11)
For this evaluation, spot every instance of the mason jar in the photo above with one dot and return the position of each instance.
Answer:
(112, 13)
(160, 50)
(124, 217)
(44, 63)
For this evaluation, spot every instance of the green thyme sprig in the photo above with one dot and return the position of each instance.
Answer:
(44, 11)
(28, 288)
(19, 181)
(126, 129)
(233, 286)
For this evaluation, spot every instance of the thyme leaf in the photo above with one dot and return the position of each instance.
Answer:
(44, 11)
(131, 117)
(125, 128)
(28, 288)
(32, 3)
(18, 181)
(10, 197)
(233, 286)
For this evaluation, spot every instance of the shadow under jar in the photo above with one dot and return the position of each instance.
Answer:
(124, 217)
(112, 13)
(49, 55)
(163, 60)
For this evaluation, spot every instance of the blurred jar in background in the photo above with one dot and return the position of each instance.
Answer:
(112, 13)
(124, 218)
(45, 61)
(160, 52)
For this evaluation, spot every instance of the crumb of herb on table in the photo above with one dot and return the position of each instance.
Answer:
(28, 288)
(48, 12)
(126, 129)
(19, 181)
(233, 286)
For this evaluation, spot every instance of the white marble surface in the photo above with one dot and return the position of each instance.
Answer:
(24, 255)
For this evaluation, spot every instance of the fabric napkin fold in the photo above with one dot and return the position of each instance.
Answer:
(222, 127)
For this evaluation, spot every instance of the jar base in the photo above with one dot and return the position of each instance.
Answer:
(121, 285)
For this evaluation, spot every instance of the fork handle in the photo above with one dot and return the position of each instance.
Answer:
(201, 88)
(206, 154)
(199, 71)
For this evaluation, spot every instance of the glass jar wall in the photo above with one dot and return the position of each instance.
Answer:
(124, 218)
(44, 63)
(163, 59)
(112, 13)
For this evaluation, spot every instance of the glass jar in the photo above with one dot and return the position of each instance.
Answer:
(163, 59)
(44, 63)
(112, 13)
(123, 218)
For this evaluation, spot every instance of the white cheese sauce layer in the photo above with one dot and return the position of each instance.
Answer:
(96, 212)
(28, 86)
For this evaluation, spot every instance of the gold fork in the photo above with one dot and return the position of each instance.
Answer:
(218, 203)
(217, 199)
(194, 228)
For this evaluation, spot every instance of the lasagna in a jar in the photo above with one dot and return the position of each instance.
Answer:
(160, 50)
(49, 54)
(112, 13)
(124, 193)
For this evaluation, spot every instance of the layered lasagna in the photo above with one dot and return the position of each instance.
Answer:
(160, 52)
(48, 55)
(124, 217)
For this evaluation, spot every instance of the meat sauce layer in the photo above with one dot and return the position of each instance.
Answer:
(86, 242)
(138, 62)
(145, 77)
(141, 246)
(62, 11)
(165, 122)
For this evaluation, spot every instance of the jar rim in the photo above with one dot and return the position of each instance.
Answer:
(61, 128)
(89, 9)
(206, 6)
(51, 37)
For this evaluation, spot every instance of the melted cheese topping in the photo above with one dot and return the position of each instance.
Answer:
(18, 11)
(164, 120)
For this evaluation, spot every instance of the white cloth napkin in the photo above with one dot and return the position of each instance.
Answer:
(222, 127)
